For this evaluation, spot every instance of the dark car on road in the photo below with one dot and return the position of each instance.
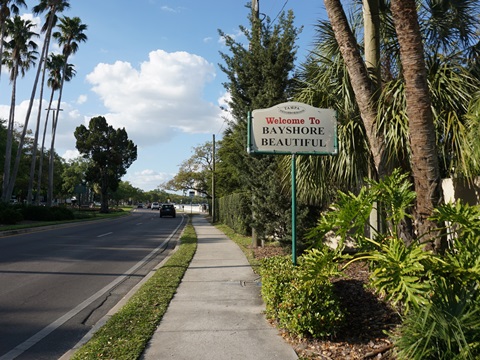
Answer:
(167, 210)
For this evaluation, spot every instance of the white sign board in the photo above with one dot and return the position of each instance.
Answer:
(293, 128)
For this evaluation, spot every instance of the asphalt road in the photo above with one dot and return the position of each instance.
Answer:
(56, 284)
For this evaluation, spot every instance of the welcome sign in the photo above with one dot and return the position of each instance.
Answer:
(293, 128)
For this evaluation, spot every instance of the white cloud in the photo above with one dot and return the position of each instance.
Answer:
(147, 179)
(163, 96)
(82, 99)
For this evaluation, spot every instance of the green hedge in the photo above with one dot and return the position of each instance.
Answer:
(235, 212)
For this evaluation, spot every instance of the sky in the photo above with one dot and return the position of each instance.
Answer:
(152, 67)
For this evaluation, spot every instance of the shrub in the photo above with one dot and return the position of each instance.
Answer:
(301, 298)
(447, 328)
(10, 215)
(42, 213)
(277, 273)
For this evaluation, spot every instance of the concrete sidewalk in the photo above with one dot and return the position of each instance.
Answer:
(217, 312)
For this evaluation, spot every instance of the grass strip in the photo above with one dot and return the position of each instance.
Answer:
(127, 333)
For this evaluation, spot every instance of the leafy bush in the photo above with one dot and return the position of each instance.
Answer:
(440, 293)
(10, 215)
(277, 273)
(400, 272)
(43, 213)
(301, 297)
(447, 328)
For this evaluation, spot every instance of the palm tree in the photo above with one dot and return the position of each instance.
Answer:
(71, 33)
(20, 55)
(362, 85)
(54, 65)
(424, 157)
(7, 8)
(324, 82)
(53, 7)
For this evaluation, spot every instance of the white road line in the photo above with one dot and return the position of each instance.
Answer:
(27, 344)
(109, 233)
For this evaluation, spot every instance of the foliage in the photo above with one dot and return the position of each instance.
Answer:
(10, 215)
(111, 154)
(235, 211)
(43, 213)
(195, 173)
(400, 272)
(259, 76)
(301, 298)
(437, 293)
(447, 328)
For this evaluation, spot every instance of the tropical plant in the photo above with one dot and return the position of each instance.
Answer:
(72, 32)
(325, 82)
(7, 9)
(20, 54)
(54, 65)
(53, 7)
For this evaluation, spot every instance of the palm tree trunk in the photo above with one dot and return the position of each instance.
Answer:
(424, 162)
(46, 46)
(9, 143)
(42, 149)
(363, 87)
(16, 166)
(54, 130)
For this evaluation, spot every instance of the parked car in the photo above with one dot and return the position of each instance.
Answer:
(155, 206)
(167, 210)
(140, 205)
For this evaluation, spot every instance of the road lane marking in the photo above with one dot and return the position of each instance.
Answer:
(109, 233)
(36, 338)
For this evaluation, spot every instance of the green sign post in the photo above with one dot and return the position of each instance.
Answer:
(292, 128)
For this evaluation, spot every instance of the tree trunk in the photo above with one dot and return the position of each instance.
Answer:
(42, 150)
(424, 162)
(362, 85)
(46, 45)
(9, 143)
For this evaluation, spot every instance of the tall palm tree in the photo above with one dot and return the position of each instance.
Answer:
(20, 55)
(52, 7)
(324, 82)
(7, 8)
(362, 85)
(72, 32)
(54, 65)
(424, 157)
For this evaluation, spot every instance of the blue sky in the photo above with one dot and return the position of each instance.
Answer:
(151, 66)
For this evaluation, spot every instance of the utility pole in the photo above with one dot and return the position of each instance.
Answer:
(256, 29)
(213, 180)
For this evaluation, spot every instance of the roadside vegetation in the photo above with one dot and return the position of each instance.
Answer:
(19, 216)
(126, 334)
(433, 298)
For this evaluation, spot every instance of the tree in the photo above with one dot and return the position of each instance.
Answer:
(111, 154)
(7, 8)
(259, 76)
(20, 55)
(54, 65)
(450, 81)
(71, 33)
(53, 7)
(195, 173)
(362, 85)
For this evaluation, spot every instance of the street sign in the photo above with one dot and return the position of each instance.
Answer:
(293, 128)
